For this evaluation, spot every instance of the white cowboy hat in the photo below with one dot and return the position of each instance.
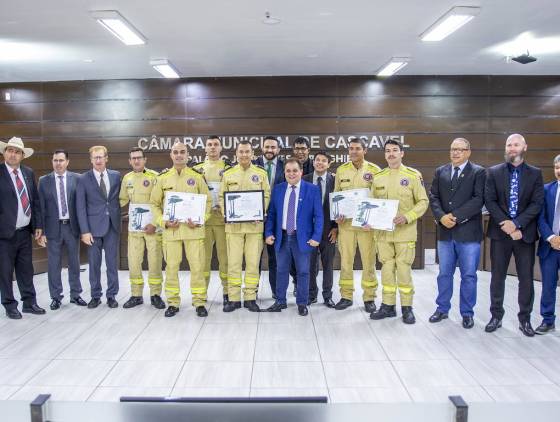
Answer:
(16, 142)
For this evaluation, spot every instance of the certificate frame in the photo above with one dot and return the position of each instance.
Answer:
(195, 213)
(353, 196)
(253, 197)
(139, 216)
(368, 213)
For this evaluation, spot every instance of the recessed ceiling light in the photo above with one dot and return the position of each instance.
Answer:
(165, 68)
(88, 60)
(312, 56)
(326, 13)
(393, 66)
(269, 20)
(117, 25)
(449, 23)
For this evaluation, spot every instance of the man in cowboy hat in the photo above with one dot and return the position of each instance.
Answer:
(21, 217)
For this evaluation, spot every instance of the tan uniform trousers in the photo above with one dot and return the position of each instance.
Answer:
(239, 245)
(216, 235)
(137, 243)
(397, 259)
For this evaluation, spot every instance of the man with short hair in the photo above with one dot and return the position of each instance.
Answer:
(301, 151)
(99, 217)
(21, 219)
(57, 194)
(136, 188)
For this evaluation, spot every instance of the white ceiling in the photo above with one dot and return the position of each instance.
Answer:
(42, 40)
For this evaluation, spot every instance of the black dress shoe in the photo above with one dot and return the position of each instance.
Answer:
(232, 306)
(311, 300)
(251, 305)
(329, 303)
(526, 328)
(33, 309)
(133, 301)
(13, 313)
(437, 316)
(384, 311)
(343, 304)
(171, 311)
(94, 303)
(302, 310)
(157, 302)
(226, 298)
(276, 307)
(468, 322)
(493, 325)
(112, 303)
(407, 315)
(544, 328)
(78, 301)
(201, 311)
(370, 306)
(55, 304)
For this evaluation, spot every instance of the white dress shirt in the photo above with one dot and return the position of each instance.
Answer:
(323, 184)
(461, 168)
(287, 201)
(58, 195)
(105, 179)
(555, 205)
(22, 219)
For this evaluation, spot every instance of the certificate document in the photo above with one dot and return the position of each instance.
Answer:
(346, 202)
(376, 213)
(214, 188)
(139, 216)
(182, 206)
(244, 206)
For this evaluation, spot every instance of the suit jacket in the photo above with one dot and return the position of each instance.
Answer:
(531, 197)
(278, 175)
(328, 224)
(48, 186)
(9, 201)
(309, 216)
(308, 166)
(465, 202)
(95, 214)
(546, 218)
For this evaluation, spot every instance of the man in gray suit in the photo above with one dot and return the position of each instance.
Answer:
(57, 196)
(99, 217)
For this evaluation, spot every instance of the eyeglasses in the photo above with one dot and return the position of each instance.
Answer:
(300, 148)
(136, 158)
(460, 150)
(99, 157)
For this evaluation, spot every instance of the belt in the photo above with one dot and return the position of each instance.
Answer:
(64, 221)
(285, 232)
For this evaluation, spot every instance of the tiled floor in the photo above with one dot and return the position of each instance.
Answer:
(80, 354)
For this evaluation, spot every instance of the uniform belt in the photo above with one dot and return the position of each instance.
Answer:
(67, 221)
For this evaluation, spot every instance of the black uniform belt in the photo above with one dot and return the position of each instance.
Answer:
(64, 221)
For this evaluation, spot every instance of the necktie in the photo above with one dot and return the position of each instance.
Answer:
(269, 171)
(291, 217)
(63, 205)
(455, 178)
(22, 193)
(102, 186)
(320, 184)
(556, 223)
(513, 193)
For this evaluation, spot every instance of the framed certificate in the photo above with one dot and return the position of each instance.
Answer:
(345, 203)
(376, 213)
(139, 216)
(244, 206)
(182, 206)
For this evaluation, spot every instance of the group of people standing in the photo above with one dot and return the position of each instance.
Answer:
(298, 231)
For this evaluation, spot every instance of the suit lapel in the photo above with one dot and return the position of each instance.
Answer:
(506, 182)
(302, 192)
(552, 201)
(465, 173)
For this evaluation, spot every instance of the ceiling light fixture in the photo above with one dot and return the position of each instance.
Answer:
(166, 69)
(117, 25)
(449, 23)
(269, 20)
(393, 66)
(8, 96)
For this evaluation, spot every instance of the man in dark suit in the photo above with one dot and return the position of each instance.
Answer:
(300, 151)
(549, 250)
(97, 203)
(20, 214)
(456, 199)
(325, 181)
(294, 225)
(57, 194)
(514, 197)
(274, 167)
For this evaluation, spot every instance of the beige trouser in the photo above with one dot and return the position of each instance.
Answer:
(137, 243)
(397, 259)
(216, 235)
(239, 245)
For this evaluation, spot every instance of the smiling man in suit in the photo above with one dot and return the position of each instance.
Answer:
(514, 197)
(456, 199)
(294, 225)
(99, 216)
(57, 194)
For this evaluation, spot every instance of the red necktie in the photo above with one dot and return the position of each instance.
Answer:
(22, 193)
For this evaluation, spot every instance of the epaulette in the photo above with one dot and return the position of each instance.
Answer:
(259, 166)
(412, 171)
(382, 172)
(374, 166)
(164, 171)
(349, 163)
(151, 172)
(229, 170)
(261, 169)
(196, 170)
(197, 165)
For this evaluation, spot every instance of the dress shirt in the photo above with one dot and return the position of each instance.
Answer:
(323, 184)
(105, 179)
(22, 219)
(555, 205)
(461, 168)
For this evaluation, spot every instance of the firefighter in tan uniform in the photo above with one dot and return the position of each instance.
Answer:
(178, 235)
(396, 249)
(136, 188)
(213, 169)
(356, 174)
(244, 240)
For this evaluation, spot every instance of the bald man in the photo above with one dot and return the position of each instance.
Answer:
(514, 195)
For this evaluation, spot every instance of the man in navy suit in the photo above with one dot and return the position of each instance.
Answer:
(549, 250)
(294, 225)
(57, 195)
(20, 214)
(97, 204)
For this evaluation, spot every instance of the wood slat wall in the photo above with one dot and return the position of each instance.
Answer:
(428, 110)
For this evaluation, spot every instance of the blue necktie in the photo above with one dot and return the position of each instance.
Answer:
(291, 217)
(513, 193)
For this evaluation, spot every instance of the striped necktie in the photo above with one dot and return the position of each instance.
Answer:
(22, 193)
